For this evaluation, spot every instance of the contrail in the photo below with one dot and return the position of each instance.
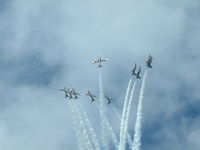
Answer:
(129, 139)
(102, 104)
(76, 127)
(82, 127)
(128, 112)
(123, 118)
(106, 124)
(104, 140)
(109, 128)
(138, 124)
(91, 131)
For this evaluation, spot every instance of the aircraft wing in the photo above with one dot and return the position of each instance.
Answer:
(96, 61)
(104, 59)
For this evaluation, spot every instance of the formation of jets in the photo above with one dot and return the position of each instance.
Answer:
(99, 61)
(134, 72)
(148, 63)
(71, 94)
(92, 96)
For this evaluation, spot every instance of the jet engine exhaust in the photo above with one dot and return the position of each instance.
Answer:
(138, 124)
(91, 131)
(123, 118)
(76, 124)
(82, 127)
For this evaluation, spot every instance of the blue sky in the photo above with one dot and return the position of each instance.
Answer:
(46, 45)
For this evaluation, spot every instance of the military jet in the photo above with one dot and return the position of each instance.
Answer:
(71, 95)
(92, 96)
(149, 61)
(74, 93)
(138, 74)
(99, 61)
(109, 100)
(134, 69)
(66, 91)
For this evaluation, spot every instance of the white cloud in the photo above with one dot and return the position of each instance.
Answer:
(70, 34)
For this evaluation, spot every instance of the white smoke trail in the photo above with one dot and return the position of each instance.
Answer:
(128, 111)
(82, 128)
(138, 124)
(76, 127)
(91, 131)
(123, 118)
(104, 140)
(109, 128)
(129, 139)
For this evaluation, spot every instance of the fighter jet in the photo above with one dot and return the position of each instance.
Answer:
(109, 100)
(71, 95)
(149, 61)
(138, 74)
(99, 61)
(74, 93)
(66, 91)
(92, 96)
(134, 69)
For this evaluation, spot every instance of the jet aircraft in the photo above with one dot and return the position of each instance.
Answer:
(92, 96)
(134, 69)
(138, 74)
(66, 91)
(149, 61)
(99, 61)
(74, 93)
(71, 95)
(109, 100)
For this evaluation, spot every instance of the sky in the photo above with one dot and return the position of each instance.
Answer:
(48, 44)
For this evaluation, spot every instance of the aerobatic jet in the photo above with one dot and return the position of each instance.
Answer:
(74, 93)
(149, 61)
(71, 95)
(138, 74)
(109, 100)
(99, 61)
(134, 69)
(92, 96)
(66, 91)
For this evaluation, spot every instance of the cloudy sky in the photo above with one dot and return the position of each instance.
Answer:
(48, 44)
